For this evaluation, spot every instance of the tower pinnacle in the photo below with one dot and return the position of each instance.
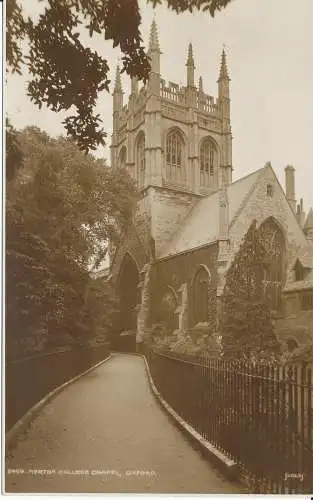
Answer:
(118, 81)
(200, 84)
(190, 60)
(190, 67)
(154, 51)
(223, 69)
(154, 38)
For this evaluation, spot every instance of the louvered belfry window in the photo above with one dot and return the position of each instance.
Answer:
(175, 157)
(208, 164)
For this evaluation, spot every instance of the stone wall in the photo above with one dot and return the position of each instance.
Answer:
(176, 273)
(297, 324)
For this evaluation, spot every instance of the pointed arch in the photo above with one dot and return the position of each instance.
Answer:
(175, 154)
(200, 284)
(274, 242)
(209, 157)
(141, 159)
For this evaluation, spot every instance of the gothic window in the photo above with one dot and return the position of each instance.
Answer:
(270, 190)
(141, 162)
(200, 296)
(122, 158)
(208, 163)
(175, 157)
(274, 245)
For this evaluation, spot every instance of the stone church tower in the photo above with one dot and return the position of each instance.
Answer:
(176, 143)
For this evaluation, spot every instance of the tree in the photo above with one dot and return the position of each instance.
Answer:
(246, 325)
(62, 208)
(67, 74)
(14, 155)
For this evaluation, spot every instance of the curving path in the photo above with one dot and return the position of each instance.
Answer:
(106, 433)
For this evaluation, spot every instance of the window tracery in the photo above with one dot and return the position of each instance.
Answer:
(274, 245)
(208, 163)
(175, 157)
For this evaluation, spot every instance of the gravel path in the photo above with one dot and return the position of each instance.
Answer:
(107, 433)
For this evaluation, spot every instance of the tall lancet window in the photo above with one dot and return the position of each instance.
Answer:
(274, 245)
(208, 164)
(200, 296)
(175, 171)
(141, 161)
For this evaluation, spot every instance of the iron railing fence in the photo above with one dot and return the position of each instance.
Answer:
(259, 415)
(28, 380)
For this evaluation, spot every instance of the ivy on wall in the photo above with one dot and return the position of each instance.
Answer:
(246, 327)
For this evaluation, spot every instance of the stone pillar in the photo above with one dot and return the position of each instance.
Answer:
(222, 266)
(182, 309)
(144, 305)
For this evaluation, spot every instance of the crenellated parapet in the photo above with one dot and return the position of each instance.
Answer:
(173, 92)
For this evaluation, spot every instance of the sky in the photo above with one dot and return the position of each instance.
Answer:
(269, 47)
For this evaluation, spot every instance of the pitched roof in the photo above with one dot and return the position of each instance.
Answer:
(305, 257)
(201, 225)
(309, 220)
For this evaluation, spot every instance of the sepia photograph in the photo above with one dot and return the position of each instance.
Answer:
(158, 247)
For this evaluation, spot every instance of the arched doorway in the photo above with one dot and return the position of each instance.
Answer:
(127, 288)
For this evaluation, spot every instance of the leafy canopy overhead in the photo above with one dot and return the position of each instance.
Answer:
(68, 75)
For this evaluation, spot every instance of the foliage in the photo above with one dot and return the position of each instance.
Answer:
(15, 33)
(62, 207)
(14, 155)
(302, 354)
(180, 6)
(246, 325)
(65, 73)
(195, 342)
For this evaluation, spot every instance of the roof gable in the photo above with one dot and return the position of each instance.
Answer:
(201, 226)
(309, 220)
(305, 257)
